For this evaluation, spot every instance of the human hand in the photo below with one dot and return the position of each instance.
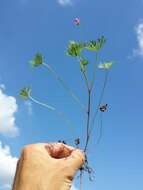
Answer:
(47, 167)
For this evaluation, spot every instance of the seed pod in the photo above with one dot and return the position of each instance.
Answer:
(103, 108)
(77, 141)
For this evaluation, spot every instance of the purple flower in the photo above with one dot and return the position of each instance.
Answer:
(77, 21)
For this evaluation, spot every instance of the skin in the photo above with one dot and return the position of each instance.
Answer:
(47, 167)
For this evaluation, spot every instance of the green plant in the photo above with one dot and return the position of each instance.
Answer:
(76, 50)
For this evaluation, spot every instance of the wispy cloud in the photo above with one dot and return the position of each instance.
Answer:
(7, 167)
(65, 2)
(8, 108)
(139, 34)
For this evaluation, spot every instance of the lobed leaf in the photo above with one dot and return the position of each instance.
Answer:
(74, 48)
(83, 63)
(106, 65)
(96, 45)
(24, 93)
(37, 60)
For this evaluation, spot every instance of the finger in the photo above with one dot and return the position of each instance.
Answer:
(17, 173)
(37, 149)
(76, 159)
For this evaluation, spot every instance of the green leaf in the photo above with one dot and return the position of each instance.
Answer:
(106, 65)
(37, 60)
(74, 48)
(24, 93)
(96, 45)
(83, 63)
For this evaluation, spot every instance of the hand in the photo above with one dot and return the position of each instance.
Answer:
(47, 167)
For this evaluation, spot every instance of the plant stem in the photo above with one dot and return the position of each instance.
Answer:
(59, 113)
(100, 128)
(94, 73)
(81, 177)
(42, 104)
(88, 128)
(65, 86)
(86, 80)
(84, 74)
(100, 101)
(88, 120)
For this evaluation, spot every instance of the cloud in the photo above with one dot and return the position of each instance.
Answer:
(139, 33)
(8, 108)
(65, 2)
(7, 167)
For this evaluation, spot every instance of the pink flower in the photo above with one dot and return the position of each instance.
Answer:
(77, 21)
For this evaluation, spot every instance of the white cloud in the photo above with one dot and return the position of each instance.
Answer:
(139, 33)
(65, 2)
(7, 167)
(8, 107)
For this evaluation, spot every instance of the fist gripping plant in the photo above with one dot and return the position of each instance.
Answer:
(75, 50)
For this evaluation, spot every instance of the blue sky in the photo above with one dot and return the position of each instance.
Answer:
(28, 26)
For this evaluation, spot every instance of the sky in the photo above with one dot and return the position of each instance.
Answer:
(30, 26)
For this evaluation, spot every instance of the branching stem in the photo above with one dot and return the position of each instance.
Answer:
(81, 179)
(86, 80)
(100, 101)
(94, 73)
(59, 113)
(64, 85)
(88, 120)
(42, 104)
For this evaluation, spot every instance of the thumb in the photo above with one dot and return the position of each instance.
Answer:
(76, 159)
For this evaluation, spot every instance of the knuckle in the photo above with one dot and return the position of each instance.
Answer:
(26, 151)
(80, 155)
